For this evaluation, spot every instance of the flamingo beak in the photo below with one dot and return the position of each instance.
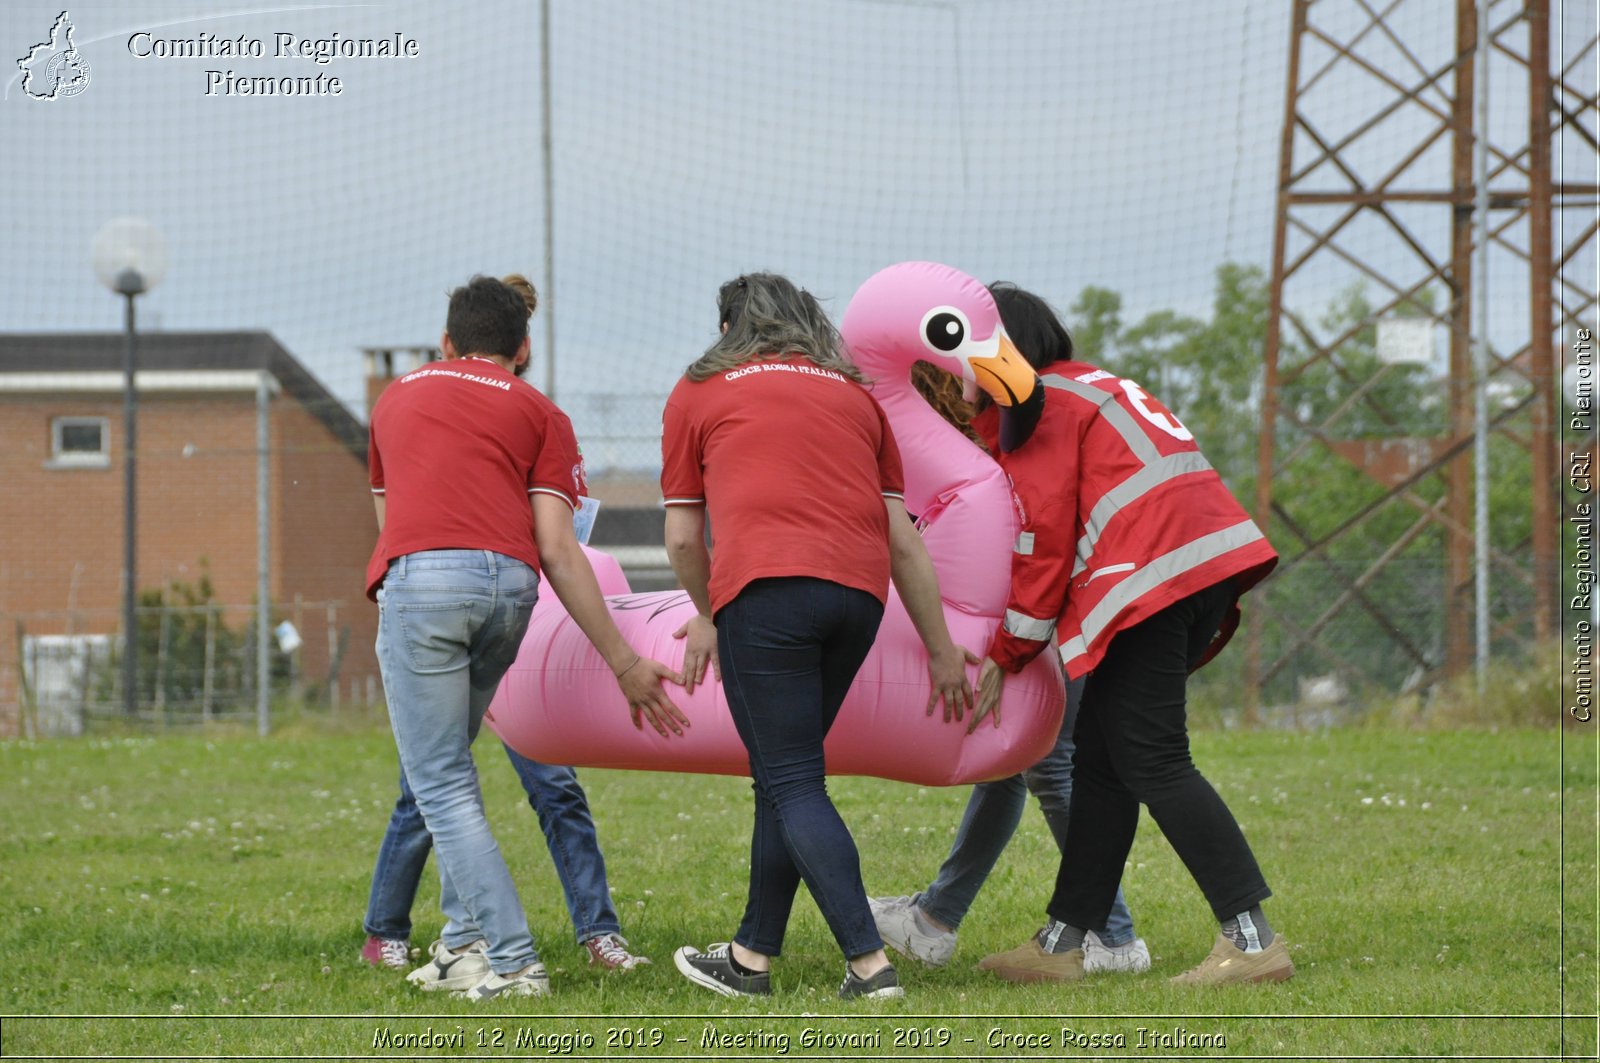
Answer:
(1007, 376)
(1015, 388)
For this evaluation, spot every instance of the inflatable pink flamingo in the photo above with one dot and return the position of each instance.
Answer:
(559, 703)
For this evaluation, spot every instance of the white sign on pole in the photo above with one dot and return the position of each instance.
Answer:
(1406, 340)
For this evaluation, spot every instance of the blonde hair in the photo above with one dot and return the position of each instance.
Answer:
(766, 316)
(523, 287)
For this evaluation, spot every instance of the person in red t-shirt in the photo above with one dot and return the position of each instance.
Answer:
(475, 476)
(772, 435)
(556, 796)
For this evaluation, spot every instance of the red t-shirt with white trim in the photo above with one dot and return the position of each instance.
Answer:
(792, 462)
(458, 450)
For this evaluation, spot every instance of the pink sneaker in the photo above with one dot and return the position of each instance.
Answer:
(611, 952)
(387, 952)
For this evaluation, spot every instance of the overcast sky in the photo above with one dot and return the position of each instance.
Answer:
(1056, 143)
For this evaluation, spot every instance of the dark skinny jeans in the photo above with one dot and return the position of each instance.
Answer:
(1133, 749)
(789, 649)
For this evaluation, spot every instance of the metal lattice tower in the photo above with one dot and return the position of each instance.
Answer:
(1376, 184)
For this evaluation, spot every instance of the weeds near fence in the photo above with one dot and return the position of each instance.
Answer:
(1526, 691)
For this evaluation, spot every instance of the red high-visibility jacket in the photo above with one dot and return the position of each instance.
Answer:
(1121, 517)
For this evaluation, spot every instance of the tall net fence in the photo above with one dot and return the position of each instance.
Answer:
(1423, 318)
(1122, 160)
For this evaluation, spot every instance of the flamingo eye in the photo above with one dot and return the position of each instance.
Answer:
(944, 329)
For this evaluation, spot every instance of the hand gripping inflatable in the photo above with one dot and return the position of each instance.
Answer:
(559, 703)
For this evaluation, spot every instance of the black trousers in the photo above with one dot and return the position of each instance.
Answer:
(1133, 748)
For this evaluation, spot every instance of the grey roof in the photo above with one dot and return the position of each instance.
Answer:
(100, 351)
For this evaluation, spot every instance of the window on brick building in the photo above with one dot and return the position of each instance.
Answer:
(80, 442)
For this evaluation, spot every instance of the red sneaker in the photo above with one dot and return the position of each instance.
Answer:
(387, 952)
(611, 952)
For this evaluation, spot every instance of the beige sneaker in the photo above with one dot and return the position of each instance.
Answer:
(1228, 964)
(1029, 962)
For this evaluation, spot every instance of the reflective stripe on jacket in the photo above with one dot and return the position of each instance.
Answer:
(1121, 516)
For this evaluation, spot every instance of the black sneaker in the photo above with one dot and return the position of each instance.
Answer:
(881, 986)
(714, 970)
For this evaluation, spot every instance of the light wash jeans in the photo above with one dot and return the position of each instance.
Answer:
(991, 818)
(569, 833)
(450, 623)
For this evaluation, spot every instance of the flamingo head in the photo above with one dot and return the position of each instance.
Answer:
(924, 311)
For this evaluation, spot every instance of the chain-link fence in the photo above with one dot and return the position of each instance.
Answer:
(1126, 161)
(197, 664)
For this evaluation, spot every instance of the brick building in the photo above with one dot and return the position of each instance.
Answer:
(61, 507)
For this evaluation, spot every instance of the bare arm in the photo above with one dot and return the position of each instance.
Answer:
(691, 563)
(912, 571)
(573, 580)
(686, 550)
(377, 504)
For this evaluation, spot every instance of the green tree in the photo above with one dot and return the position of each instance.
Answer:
(1206, 371)
(175, 624)
(1209, 372)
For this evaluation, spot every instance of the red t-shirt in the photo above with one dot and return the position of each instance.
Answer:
(792, 463)
(458, 450)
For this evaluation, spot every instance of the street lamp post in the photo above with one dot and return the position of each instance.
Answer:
(129, 257)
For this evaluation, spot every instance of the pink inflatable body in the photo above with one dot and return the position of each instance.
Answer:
(559, 703)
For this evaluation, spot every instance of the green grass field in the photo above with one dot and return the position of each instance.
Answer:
(201, 897)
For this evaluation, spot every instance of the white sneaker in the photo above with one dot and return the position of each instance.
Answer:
(451, 970)
(1100, 958)
(531, 981)
(903, 931)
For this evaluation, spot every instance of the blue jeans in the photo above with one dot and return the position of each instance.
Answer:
(569, 833)
(789, 649)
(992, 815)
(450, 623)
